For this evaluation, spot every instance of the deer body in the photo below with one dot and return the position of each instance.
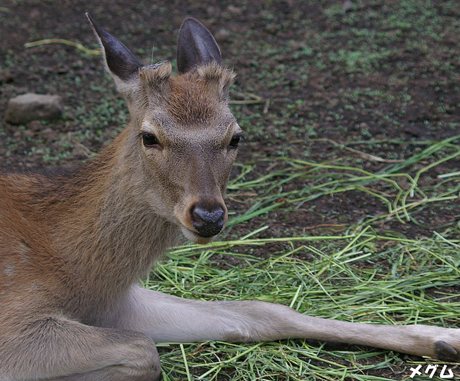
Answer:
(73, 247)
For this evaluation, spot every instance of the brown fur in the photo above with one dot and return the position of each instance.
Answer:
(194, 97)
(73, 247)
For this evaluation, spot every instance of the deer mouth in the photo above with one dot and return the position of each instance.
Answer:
(195, 237)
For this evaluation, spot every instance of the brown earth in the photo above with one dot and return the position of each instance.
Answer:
(379, 76)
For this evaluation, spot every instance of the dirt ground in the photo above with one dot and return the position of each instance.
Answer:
(322, 73)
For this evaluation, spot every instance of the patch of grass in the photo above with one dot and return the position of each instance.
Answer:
(399, 191)
(340, 281)
(361, 105)
(367, 274)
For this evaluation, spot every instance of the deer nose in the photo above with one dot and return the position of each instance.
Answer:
(208, 219)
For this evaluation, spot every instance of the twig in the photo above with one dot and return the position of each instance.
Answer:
(363, 154)
(267, 103)
(254, 99)
(77, 45)
(86, 150)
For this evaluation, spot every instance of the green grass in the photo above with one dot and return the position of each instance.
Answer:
(356, 82)
(394, 186)
(365, 274)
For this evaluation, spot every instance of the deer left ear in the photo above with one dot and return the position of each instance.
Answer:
(119, 61)
(196, 46)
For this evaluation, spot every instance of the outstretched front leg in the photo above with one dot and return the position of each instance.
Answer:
(166, 318)
(56, 348)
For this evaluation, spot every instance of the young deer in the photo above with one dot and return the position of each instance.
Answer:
(72, 248)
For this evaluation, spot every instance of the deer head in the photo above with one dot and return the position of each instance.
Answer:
(182, 139)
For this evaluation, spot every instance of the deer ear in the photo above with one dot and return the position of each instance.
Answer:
(196, 46)
(118, 59)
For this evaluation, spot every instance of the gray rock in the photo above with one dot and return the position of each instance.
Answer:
(25, 108)
(347, 5)
(222, 35)
(234, 10)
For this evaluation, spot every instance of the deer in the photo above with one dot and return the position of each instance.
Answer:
(73, 247)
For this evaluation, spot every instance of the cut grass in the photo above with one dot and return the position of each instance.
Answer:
(368, 273)
(394, 186)
(364, 275)
(409, 285)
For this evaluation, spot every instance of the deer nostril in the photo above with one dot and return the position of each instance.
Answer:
(208, 221)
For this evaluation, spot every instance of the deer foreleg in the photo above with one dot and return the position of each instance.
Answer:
(55, 348)
(167, 318)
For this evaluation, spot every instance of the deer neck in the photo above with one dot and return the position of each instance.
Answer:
(105, 232)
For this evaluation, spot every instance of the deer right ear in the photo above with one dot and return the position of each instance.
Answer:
(118, 59)
(196, 46)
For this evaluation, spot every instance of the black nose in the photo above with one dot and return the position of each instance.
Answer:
(208, 219)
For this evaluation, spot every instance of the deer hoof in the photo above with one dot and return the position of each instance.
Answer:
(445, 352)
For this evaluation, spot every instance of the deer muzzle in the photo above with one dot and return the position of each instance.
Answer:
(208, 219)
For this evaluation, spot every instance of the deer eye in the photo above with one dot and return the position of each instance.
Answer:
(150, 140)
(235, 141)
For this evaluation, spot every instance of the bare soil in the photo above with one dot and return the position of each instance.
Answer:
(379, 76)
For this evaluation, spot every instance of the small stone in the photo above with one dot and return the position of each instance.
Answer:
(347, 5)
(49, 134)
(28, 133)
(234, 10)
(222, 35)
(212, 11)
(35, 126)
(6, 77)
(25, 108)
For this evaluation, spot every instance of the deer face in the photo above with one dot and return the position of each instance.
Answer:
(183, 132)
(189, 140)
